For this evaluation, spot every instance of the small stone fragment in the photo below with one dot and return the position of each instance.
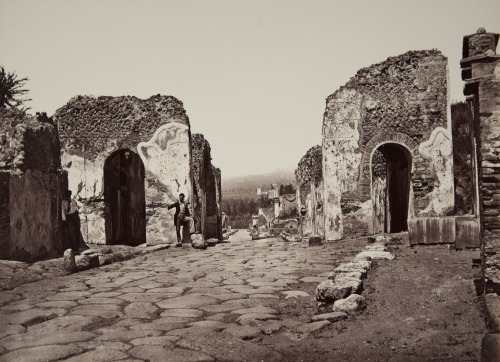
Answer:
(331, 317)
(211, 242)
(350, 305)
(69, 260)
(84, 262)
(314, 326)
(198, 241)
(294, 294)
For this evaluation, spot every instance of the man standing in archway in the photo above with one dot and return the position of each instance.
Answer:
(182, 217)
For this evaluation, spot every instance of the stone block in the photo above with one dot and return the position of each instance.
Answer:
(330, 291)
(490, 348)
(69, 261)
(431, 230)
(331, 317)
(492, 304)
(467, 232)
(84, 262)
(315, 241)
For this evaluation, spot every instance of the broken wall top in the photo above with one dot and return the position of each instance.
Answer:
(200, 153)
(406, 94)
(27, 142)
(310, 166)
(93, 125)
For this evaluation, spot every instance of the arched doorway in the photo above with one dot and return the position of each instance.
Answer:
(390, 167)
(124, 199)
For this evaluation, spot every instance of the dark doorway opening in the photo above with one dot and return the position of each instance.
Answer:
(124, 198)
(391, 165)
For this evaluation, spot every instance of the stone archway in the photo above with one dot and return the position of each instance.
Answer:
(390, 178)
(124, 196)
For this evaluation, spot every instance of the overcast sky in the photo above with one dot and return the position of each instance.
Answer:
(253, 75)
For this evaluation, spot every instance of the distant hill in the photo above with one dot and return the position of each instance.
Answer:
(246, 186)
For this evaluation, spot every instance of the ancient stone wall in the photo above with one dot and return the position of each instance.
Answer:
(206, 200)
(117, 131)
(32, 184)
(463, 159)
(218, 198)
(309, 179)
(403, 102)
(481, 72)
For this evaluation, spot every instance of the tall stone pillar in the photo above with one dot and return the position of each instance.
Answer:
(481, 73)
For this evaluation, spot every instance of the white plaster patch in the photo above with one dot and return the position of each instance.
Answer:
(167, 157)
(438, 152)
(85, 177)
(342, 159)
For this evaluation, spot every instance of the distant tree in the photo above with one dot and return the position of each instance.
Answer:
(11, 90)
(288, 189)
(265, 202)
(252, 207)
(243, 207)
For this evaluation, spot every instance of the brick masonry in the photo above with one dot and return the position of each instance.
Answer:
(481, 73)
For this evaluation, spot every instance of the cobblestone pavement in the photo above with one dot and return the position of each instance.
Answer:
(244, 300)
(177, 304)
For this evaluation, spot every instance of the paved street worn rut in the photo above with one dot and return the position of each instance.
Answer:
(245, 300)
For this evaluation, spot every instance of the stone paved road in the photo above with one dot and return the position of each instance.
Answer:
(179, 304)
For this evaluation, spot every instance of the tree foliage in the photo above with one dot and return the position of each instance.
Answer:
(12, 90)
(287, 189)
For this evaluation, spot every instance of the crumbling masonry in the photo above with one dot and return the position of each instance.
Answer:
(387, 150)
(309, 177)
(32, 186)
(207, 190)
(124, 159)
(127, 159)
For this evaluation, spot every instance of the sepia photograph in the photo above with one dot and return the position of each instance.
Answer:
(249, 180)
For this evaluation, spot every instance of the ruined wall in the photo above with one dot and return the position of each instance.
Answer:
(288, 206)
(31, 187)
(218, 198)
(206, 204)
(481, 71)
(156, 129)
(463, 159)
(200, 152)
(309, 179)
(401, 101)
